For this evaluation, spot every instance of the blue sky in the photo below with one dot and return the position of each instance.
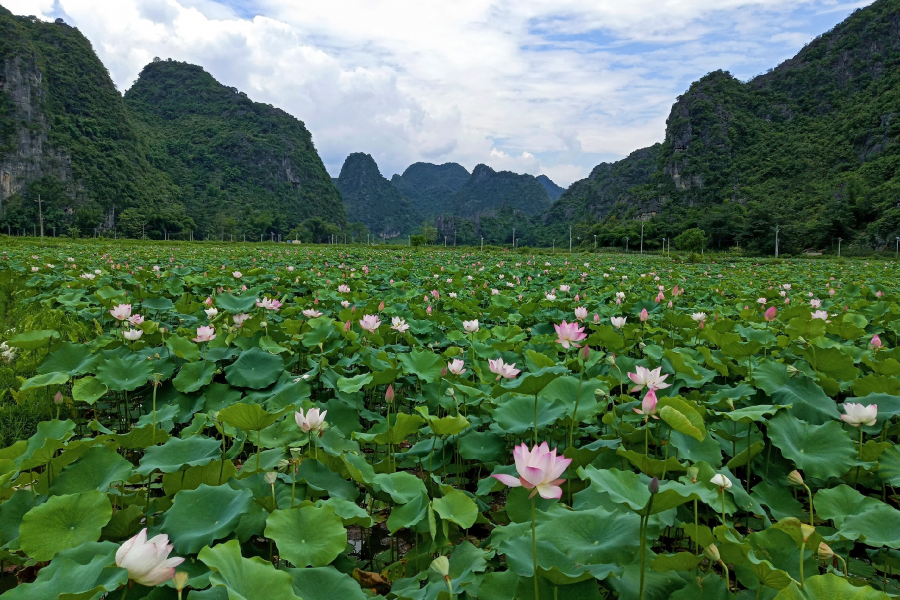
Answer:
(537, 86)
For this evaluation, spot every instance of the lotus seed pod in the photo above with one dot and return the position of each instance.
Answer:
(795, 478)
(712, 553)
(825, 552)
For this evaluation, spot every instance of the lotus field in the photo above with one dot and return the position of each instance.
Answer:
(285, 422)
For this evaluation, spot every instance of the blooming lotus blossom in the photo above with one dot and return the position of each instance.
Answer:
(564, 288)
(820, 314)
(581, 313)
(239, 319)
(503, 370)
(644, 377)
(370, 323)
(398, 324)
(761, 300)
(88, 276)
(620, 295)
(268, 304)
(237, 274)
(136, 319)
(147, 561)
(345, 303)
(344, 288)
(313, 420)
(311, 313)
(470, 326)
(699, 316)
(211, 312)
(568, 334)
(720, 481)
(539, 470)
(648, 405)
(205, 334)
(550, 297)
(132, 334)
(815, 303)
(660, 297)
(618, 322)
(455, 366)
(857, 414)
(121, 312)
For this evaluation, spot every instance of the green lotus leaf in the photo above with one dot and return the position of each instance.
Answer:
(593, 537)
(407, 515)
(820, 451)
(325, 583)
(42, 446)
(39, 381)
(199, 517)
(680, 422)
(97, 469)
(63, 522)
(829, 587)
(183, 348)
(88, 389)
(516, 414)
(194, 376)
(681, 561)
(11, 513)
(176, 453)
(625, 487)
(124, 374)
(245, 578)
(248, 417)
(73, 359)
(877, 526)
(352, 385)
(32, 340)
(254, 369)
(236, 304)
(482, 446)
(457, 507)
(427, 366)
(308, 536)
(403, 487)
(88, 572)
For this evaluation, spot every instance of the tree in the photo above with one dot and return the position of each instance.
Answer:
(429, 233)
(417, 240)
(692, 240)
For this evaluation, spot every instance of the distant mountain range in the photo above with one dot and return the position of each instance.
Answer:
(425, 192)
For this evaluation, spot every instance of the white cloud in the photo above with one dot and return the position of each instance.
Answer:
(503, 82)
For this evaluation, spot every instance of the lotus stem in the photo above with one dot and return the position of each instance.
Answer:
(535, 418)
(802, 548)
(843, 562)
(808, 491)
(575, 412)
(537, 592)
(727, 578)
(723, 506)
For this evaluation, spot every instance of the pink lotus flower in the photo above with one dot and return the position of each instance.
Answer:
(268, 304)
(564, 288)
(770, 314)
(820, 314)
(311, 421)
(239, 319)
(347, 326)
(344, 288)
(121, 312)
(831, 292)
(659, 298)
(645, 316)
(132, 334)
(370, 323)
(208, 301)
(876, 342)
(857, 414)
(237, 274)
(596, 318)
(539, 470)
(653, 380)
(135, 319)
(147, 561)
(569, 334)
(815, 303)
(648, 405)
(399, 324)
(581, 313)
(503, 370)
(470, 326)
(456, 366)
(205, 334)
(311, 313)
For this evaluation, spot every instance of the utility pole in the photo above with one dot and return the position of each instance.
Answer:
(482, 243)
(777, 229)
(897, 251)
(514, 238)
(41, 217)
(664, 247)
(595, 242)
(642, 237)
(445, 241)
(570, 239)
(839, 247)
(626, 245)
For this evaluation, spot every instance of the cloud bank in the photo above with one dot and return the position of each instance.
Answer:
(536, 86)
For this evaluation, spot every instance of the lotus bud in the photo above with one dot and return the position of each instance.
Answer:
(795, 478)
(347, 326)
(389, 394)
(611, 360)
(444, 371)
(585, 352)
(693, 473)
(876, 342)
(712, 553)
(792, 370)
(58, 398)
(271, 477)
(825, 552)
(441, 566)
(600, 393)
(654, 486)
(180, 580)
(807, 531)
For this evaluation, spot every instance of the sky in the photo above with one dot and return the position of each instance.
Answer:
(548, 87)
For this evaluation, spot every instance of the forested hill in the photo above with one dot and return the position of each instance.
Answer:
(488, 190)
(180, 153)
(371, 199)
(811, 147)
(429, 186)
(237, 162)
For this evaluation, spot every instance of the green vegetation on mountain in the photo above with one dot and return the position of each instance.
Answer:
(243, 168)
(553, 190)
(488, 190)
(429, 186)
(810, 147)
(181, 153)
(371, 199)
